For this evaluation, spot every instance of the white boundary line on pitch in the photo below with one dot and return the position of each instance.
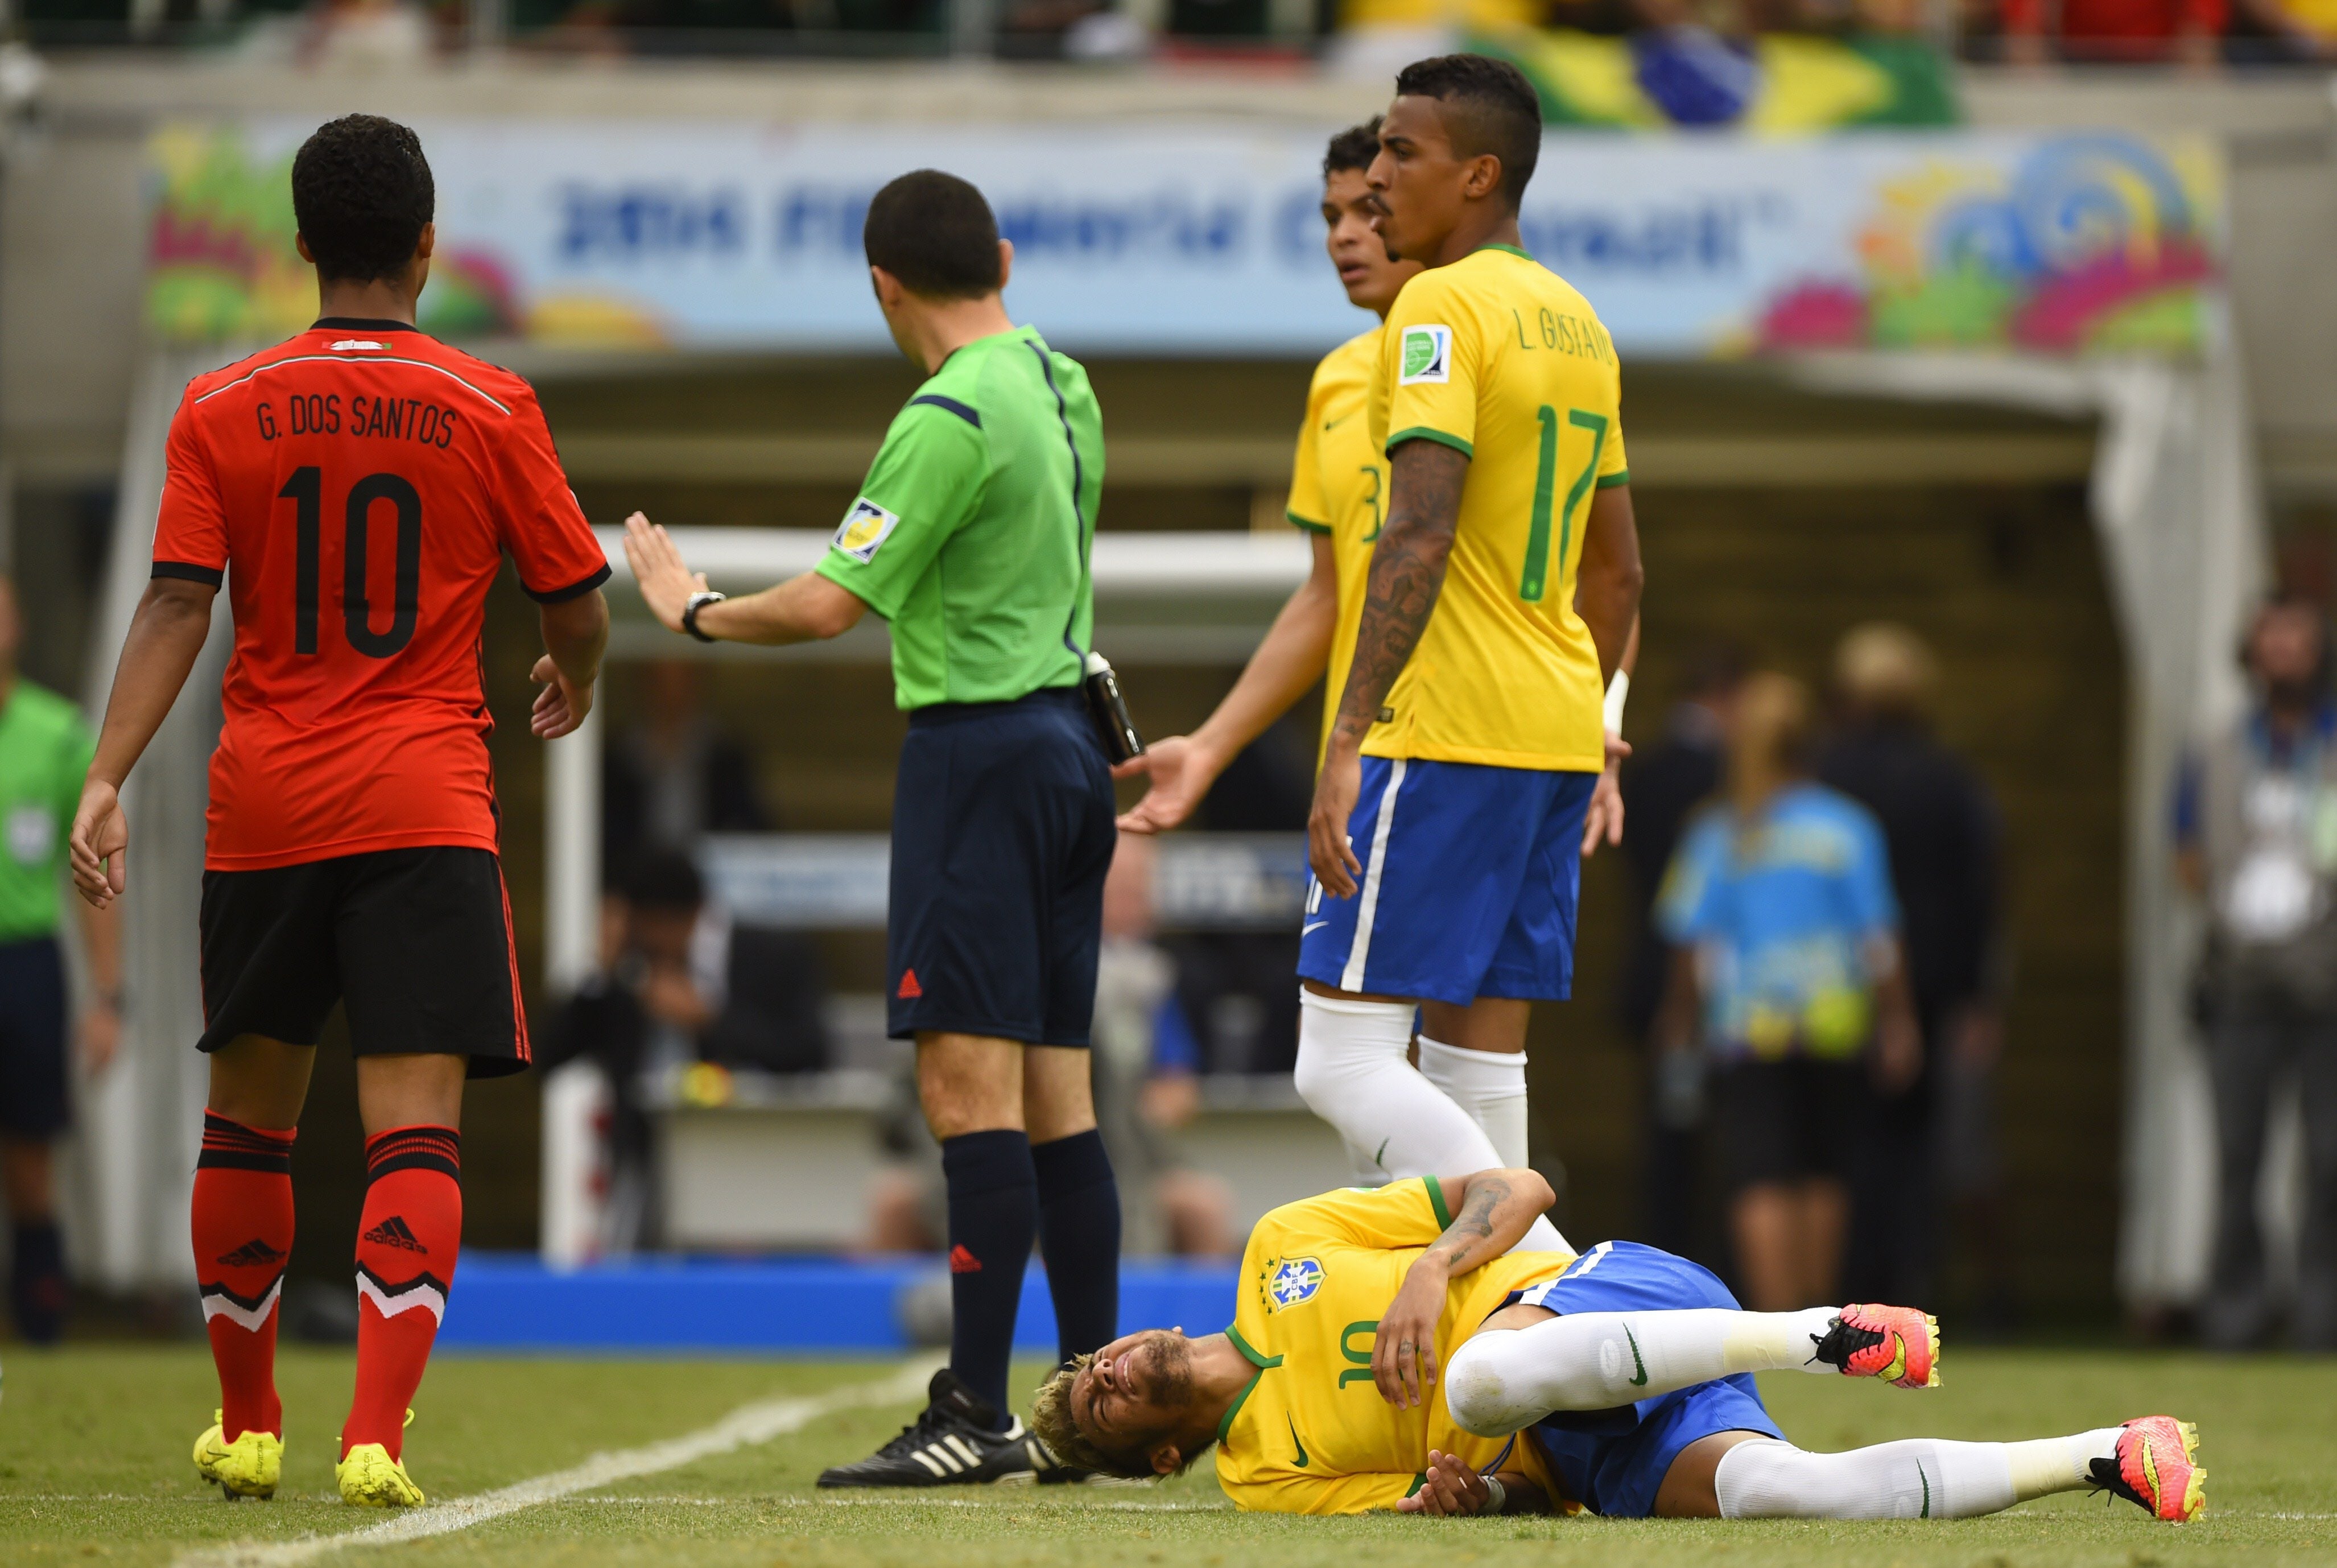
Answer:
(744, 1428)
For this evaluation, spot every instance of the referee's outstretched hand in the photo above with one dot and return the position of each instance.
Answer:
(666, 581)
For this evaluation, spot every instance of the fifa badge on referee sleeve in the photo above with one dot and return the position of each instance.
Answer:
(864, 527)
(1427, 356)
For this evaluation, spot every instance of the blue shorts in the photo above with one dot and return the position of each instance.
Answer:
(1003, 829)
(1469, 887)
(31, 1039)
(1613, 1462)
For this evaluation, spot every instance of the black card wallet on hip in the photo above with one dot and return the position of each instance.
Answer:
(1108, 710)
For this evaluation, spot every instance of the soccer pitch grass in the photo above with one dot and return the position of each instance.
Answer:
(93, 1466)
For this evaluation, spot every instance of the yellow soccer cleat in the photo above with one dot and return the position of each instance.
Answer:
(370, 1478)
(249, 1467)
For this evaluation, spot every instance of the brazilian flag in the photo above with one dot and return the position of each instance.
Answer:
(1779, 82)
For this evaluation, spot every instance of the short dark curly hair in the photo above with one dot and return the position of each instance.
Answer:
(1489, 106)
(361, 193)
(1051, 1419)
(936, 233)
(1353, 148)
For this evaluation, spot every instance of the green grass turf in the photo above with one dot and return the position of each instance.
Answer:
(93, 1467)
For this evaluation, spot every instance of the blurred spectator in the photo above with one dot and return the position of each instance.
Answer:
(1780, 900)
(674, 776)
(1147, 1073)
(1662, 785)
(1147, 1086)
(679, 983)
(45, 751)
(2301, 29)
(366, 35)
(2256, 839)
(2124, 30)
(1235, 986)
(1941, 829)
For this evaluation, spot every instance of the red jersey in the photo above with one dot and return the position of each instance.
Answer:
(358, 487)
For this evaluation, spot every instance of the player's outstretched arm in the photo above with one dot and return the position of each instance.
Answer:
(575, 634)
(1289, 661)
(808, 608)
(1424, 480)
(166, 635)
(1491, 1210)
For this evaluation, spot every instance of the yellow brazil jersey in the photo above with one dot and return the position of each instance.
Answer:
(1338, 486)
(1498, 356)
(1311, 1434)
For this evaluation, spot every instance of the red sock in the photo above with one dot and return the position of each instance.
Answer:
(406, 1239)
(243, 1238)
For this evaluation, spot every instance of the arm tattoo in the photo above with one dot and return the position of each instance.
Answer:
(1475, 1224)
(1407, 572)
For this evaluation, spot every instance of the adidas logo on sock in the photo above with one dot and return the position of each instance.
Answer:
(251, 1254)
(395, 1232)
(962, 1261)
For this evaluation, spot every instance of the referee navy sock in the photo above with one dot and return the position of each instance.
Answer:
(993, 1217)
(242, 1226)
(408, 1236)
(37, 1290)
(1079, 1238)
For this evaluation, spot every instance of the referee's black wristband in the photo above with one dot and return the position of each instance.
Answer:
(689, 609)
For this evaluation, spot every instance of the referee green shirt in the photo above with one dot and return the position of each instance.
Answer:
(970, 534)
(45, 751)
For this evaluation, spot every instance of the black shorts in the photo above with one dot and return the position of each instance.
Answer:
(1788, 1121)
(31, 1039)
(1003, 829)
(418, 942)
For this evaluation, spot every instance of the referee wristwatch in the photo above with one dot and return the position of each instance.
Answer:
(697, 602)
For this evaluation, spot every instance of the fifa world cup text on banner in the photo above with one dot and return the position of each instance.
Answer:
(1196, 239)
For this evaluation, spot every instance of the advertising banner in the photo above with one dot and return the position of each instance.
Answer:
(1204, 239)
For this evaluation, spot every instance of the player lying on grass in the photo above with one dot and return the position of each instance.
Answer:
(1618, 1381)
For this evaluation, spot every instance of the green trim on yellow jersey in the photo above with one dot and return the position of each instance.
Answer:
(1251, 1353)
(1436, 1200)
(1264, 1363)
(1512, 250)
(1609, 481)
(1308, 523)
(1423, 432)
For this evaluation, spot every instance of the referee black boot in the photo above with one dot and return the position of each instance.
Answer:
(954, 1443)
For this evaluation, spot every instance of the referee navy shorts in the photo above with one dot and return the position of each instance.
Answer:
(1613, 1462)
(31, 1039)
(1002, 830)
(1469, 880)
(416, 942)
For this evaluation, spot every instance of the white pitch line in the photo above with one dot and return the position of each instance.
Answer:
(743, 1428)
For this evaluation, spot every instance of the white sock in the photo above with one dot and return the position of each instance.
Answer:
(1502, 1380)
(1921, 1478)
(1352, 1073)
(1491, 1085)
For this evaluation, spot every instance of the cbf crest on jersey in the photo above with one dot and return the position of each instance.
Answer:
(1427, 356)
(1290, 1281)
(864, 527)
